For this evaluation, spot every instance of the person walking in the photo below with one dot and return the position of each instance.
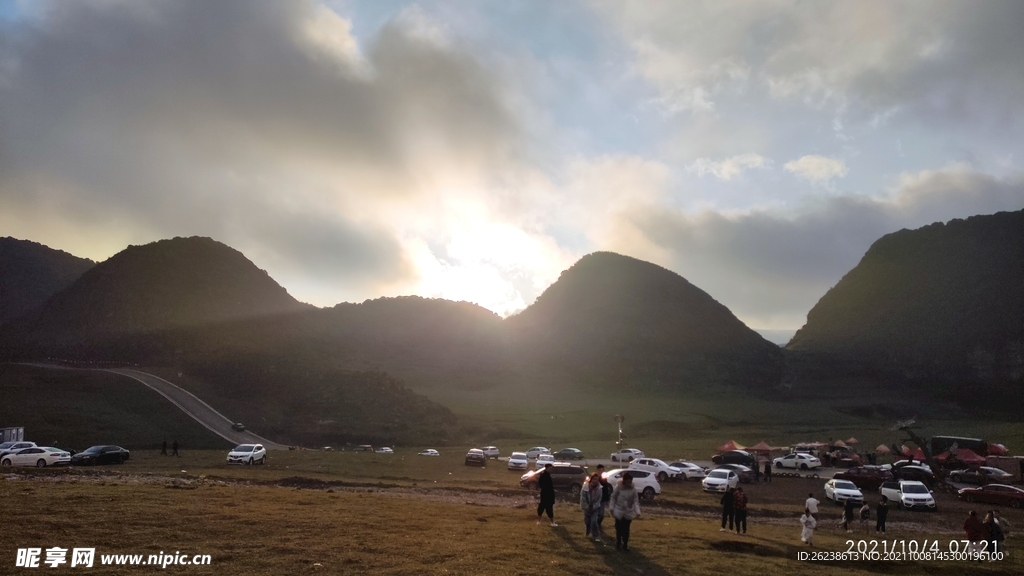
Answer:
(995, 534)
(625, 507)
(739, 502)
(975, 531)
(811, 504)
(808, 524)
(865, 516)
(547, 496)
(757, 471)
(728, 512)
(881, 513)
(591, 505)
(767, 471)
(606, 495)
(848, 513)
(174, 448)
(163, 448)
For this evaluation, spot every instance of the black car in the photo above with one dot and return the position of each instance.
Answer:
(735, 457)
(569, 454)
(918, 473)
(563, 477)
(476, 457)
(100, 455)
(745, 473)
(981, 475)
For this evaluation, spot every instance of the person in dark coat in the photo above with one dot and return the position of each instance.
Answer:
(767, 471)
(163, 448)
(976, 533)
(848, 514)
(995, 534)
(739, 502)
(728, 510)
(881, 513)
(757, 471)
(606, 493)
(174, 449)
(547, 495)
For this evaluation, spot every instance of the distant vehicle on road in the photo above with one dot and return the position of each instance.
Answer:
(919, 473)
(38, 456)
(545, 459)
(491, 451)
(476, 457)
(797, 460)
(745, 473)
(363, 448)
(429, 452)
(247, 454)
(563, 477)
(690, 470)
(627, 455)
(839, 491)
(999, 494)
(518, 461)
(645, 482)
(238, 427)
(569, 454)
(101, 455)
(385, 450)
(537, 451)
(981, 475)
(720, 480)
(662, 471)
(735, 457)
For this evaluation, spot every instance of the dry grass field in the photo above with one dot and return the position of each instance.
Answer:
(352, 513)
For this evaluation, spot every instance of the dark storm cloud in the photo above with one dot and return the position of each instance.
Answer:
(237, 120)
(770, 269)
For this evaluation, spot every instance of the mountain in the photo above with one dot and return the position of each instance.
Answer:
(612, 316)
(167, 284)
(943, 303)
(30, 273)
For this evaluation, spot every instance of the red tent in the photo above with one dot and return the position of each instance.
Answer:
(762, 446)
(883, 449)
(997, 450)
(839, 443)
(965, 455)
(916, 453)
(730, 445)
(851, 441)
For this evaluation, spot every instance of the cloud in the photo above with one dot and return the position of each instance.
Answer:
(817, 169)
(771, 267)
(728, 168)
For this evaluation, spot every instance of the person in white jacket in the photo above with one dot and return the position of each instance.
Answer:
(625, 506)
(809, 524)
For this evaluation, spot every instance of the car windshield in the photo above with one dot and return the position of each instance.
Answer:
(244, 448)
(915, 489)
(843, 485)
(95, 449)
(6, 445)
(517, 456)
(719, 474)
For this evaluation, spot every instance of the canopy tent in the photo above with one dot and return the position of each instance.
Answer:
(851, 441)
(839, 444)
(965, 455)
(997, 450)
(883, 449)
(730, 445)
(762, 446)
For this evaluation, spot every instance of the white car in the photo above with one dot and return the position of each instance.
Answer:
(385, 450)
(248, 454)
(720, 480)
(11, 447)
(518, 461)
(644, 482)
(908, 494)
(544, 459)
(627, 455)
(429, 452)
(534, 452)
(839, 491)
(797, 460)
(490, 451)
(690, 470)
(657, 467)
(36, 456)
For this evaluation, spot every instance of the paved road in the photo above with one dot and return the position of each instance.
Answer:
(199, 411)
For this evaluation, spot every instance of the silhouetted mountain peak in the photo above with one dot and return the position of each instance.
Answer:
(31, 272)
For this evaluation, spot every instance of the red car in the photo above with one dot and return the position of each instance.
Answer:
(994, 494)
(867, 478)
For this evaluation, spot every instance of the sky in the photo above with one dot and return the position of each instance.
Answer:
(475, 150)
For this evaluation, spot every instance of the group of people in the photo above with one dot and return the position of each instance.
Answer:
(986, 536)
(622, 501)
(734, 510)
(174, 448)
(809, 519)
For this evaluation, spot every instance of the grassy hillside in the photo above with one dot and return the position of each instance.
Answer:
(81, 408)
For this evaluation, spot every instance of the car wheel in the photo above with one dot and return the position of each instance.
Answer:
(6, 462)
(803, 466)
(263, 460)
(250, 461)
(575, 489)
(648, 493)
(778, 464)
(662, 477)
(41, 463)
